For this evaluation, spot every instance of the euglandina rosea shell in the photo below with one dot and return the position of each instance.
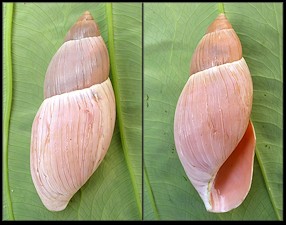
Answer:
(214, 137)
(73, 127)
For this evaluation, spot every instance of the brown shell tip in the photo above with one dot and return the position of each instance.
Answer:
(84, 27)
(85, 16)
(220, 23)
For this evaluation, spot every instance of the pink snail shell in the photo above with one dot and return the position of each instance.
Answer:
(73, 127)
(214, 137)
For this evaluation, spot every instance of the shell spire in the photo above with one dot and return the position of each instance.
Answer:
(219, 46)
(80, 62)
(214, 137)
(84, 27)
(220, 23)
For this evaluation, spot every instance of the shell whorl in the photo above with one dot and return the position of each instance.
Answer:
(220, 45)
(80, 62)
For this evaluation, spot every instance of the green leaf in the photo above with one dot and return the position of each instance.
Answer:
(171, 34)
(114, 190)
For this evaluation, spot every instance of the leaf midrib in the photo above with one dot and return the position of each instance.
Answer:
(109, 14)
(8, 100)
(150, 194)
(262, 168)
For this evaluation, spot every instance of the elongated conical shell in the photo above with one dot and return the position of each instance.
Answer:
(73, 127)
(214, 137)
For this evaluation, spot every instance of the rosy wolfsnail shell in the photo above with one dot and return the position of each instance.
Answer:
(214, 137)
(73, 127)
